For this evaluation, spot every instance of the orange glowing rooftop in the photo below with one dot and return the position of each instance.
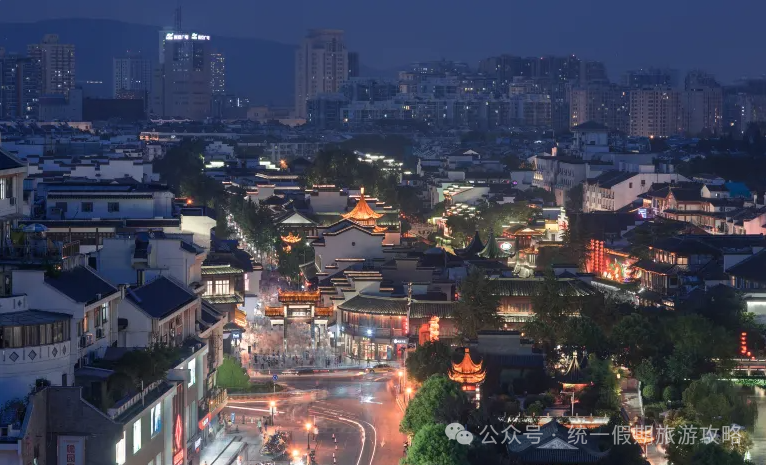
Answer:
(362, 213)
(467, 372)
(291, 238)
(287, 297)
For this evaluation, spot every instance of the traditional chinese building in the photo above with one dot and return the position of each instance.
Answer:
(470, 375)
(301, 307)
(554, 444)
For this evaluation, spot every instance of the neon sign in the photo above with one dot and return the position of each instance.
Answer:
(194, 36)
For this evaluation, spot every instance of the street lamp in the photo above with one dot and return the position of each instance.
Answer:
(409, 391)
(401, 374)
(273, 406)
(308, 436)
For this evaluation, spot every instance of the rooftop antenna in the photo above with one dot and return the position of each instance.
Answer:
(178, 17)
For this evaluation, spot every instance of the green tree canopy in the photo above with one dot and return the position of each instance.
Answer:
(477, 308)
(711, 402)
(431, 358)
(439, 400)
(431, 446)
(231, 375)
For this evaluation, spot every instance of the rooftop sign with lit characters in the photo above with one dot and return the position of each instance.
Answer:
(194, 36)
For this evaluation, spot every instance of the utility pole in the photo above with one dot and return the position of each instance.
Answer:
(407, 333)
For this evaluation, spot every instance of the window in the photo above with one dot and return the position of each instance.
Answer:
(156, 418)
(31, 335)
(6, 188)
(137, 436)
(222, 287)
(97, 317)
(630, 185)
(192, 371)
(87, 207)
(113, 207)
(120, 450)
(209, 288)
(158, 460)
(62, 206)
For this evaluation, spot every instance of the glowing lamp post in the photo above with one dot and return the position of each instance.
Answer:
(308, 436)
(272, 407)
(401, 377)
(409, 391)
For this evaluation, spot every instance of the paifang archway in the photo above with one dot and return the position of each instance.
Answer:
(304, 307)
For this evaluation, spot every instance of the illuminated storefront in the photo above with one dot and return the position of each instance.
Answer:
(610, 264)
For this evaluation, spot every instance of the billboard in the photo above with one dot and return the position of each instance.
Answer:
(71, 450)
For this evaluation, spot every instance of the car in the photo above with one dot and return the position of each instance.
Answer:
(290, 371)
(380, 368)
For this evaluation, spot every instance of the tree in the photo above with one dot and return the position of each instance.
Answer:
(477, 308)
(439, 400)
(553, 305)
(723, 306)
(231, 375)
(649, 392)
(431, 358)
(635, 339)
(574, 199)
(584, 335)
(711, 402)
(431, 446)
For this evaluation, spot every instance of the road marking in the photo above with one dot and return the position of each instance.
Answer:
(253, 409)
(364, 434)
(361, 428)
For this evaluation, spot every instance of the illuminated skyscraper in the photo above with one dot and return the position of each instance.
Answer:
(182, 82)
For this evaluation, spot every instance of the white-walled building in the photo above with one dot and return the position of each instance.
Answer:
(91, 301)
(613, 190)
(346, 239)
(161, 311)
(83, 201)
(36, 344)
(138, 259)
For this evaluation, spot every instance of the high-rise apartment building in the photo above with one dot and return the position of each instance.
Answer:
(217, 73)
(321, 66)
(19, 88)
(181, 85)
(55, 64)
(607, 104)
(654, 112)
(702, 104)
(132, 77)
(651, 77)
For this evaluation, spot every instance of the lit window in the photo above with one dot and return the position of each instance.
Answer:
(137, 436)
(192, 372)
(156, 418)
(222, 287)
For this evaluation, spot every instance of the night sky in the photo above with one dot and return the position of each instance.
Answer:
(722, 37)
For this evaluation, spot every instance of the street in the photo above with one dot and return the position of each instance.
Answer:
(360, 416)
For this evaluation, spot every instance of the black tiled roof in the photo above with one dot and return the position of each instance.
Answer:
(8, 161)
(161, 297)
(752, 268)
(81, 284)
(527, 287)
(379, 305)
(552, 444)
(32, 317)
(611, 178)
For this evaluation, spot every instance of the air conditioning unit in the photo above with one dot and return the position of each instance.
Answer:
(13, 200)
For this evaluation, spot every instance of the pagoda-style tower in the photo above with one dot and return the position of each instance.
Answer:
(362, 213)
(470, 375)
(491, 250)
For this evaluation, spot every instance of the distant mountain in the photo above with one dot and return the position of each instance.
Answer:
(260, 69)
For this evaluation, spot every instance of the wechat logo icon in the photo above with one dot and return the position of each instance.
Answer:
(455, 431)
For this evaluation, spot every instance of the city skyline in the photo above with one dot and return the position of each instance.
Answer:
(673, 39)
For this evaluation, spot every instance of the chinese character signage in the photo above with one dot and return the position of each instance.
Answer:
(71, 450)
